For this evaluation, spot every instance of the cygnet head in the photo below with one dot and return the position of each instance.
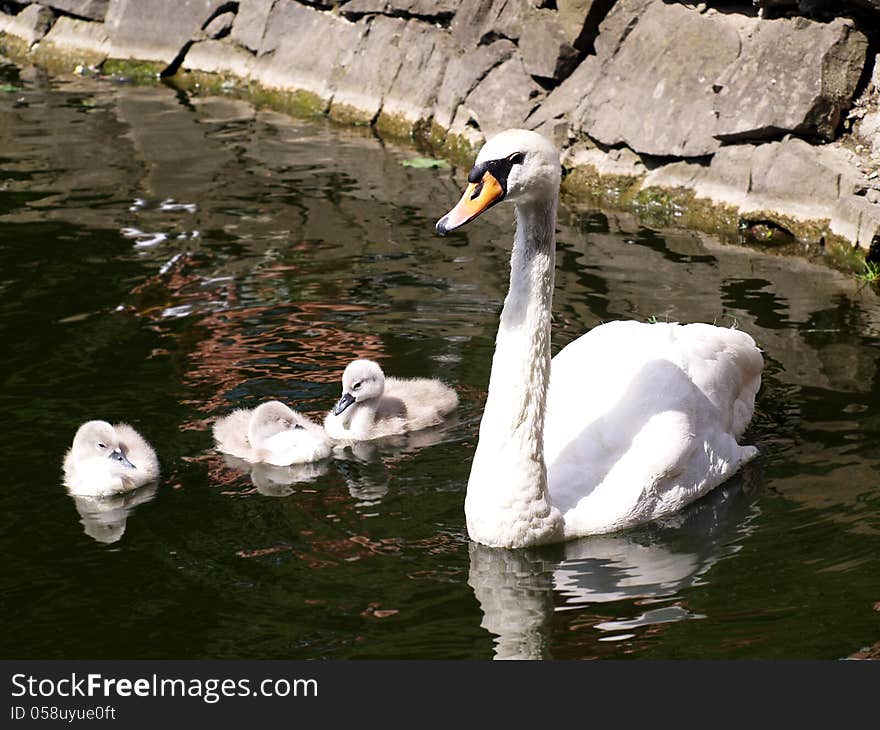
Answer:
(98, 439)
(516, 165)
(362, 380)
(269, 419)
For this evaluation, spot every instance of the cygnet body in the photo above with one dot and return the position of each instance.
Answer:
(373, 406)
(271, 433)
(106, 459)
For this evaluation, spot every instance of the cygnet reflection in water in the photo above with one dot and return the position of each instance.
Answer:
(277, 481)
(104, 518)
(364, 464)
(519, 590)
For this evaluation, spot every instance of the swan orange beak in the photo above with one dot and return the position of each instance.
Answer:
(478, 197)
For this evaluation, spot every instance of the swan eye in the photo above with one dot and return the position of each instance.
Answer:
(516, 158)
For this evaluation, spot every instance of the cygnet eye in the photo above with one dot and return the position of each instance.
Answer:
(356, 386)
(102, 446)
(300, 426)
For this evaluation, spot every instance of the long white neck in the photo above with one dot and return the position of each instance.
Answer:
(507, 502)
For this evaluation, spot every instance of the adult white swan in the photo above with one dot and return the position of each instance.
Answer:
(631, 422)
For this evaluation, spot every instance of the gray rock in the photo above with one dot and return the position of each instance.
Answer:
(440, 10)
(86, 9)
(426, 53)
(155, 30)
(649, 86)
(793, 75)
(580, 20)
(544, 46)
(466, 69)
(801, 180)
(728, 178)
(856, 219)
(477, 21)
(504, 98)
(219, 26)
(250, 23)
(360, 85)
(875, 75)
(220, 57)
(667, 80)
(790, 178)
(621, 162)
(543, 43)
(868, 130)
(554, 117)
(31, 24)
(294, 51)
(79, 36)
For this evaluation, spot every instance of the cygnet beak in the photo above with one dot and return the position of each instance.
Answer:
(344, 402)
(120, 457)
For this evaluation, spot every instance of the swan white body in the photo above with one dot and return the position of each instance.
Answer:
(273, 434)
(632, 421)
(373, 406)
(107, 459)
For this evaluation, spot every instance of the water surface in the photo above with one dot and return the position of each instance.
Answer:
(165, 258)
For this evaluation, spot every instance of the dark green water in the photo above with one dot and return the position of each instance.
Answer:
(164, 259)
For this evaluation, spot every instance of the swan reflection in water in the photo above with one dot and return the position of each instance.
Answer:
(519, 590)
(104, 518)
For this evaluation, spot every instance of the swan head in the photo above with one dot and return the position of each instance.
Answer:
(517, 165)
(98, 439)
(269, 419)
(362, 380)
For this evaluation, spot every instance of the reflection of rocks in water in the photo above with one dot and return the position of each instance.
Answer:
(804, 316)
(104, 518)
(277, 481)
(518, 590)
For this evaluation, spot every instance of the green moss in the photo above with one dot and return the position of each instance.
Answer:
(395, 126)
(296, 103)
(136, 71)
(845, 257)
(14, 48)
(586, 183)
(350, 115)
(458, 149)
(58, 60)
(870, 273)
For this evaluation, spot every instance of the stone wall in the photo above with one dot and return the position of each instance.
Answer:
(771, 107)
